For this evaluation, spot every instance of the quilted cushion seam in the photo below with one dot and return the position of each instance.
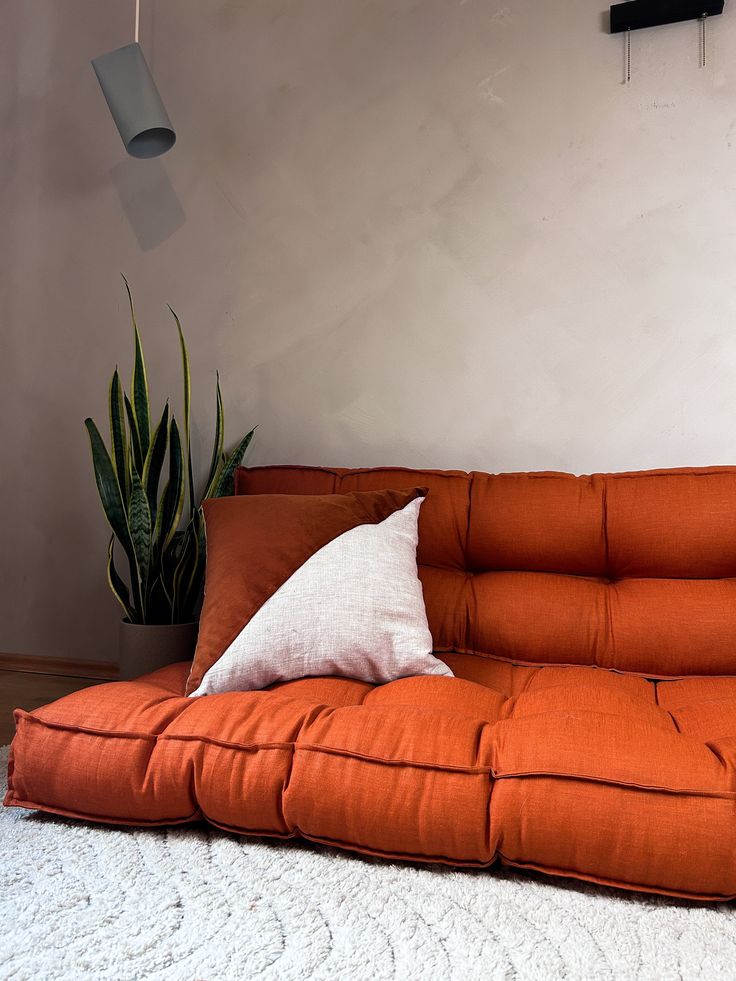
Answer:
(398, 761)
(517, 662)
(87, 816)
(702, 701)
(611, 782)
(275, 745)
(89, 730)
(156, 737)
(405, 856)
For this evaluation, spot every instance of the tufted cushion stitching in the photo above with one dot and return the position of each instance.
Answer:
(470, 609)
(722, 760)
(528, 680)
(478, 744)
(655, 687)
(488, 836)
(308, 719)
(610, 641)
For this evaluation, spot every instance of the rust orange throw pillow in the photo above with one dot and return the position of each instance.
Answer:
(301, 585)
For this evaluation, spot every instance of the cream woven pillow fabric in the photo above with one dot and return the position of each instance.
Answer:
(336, 591)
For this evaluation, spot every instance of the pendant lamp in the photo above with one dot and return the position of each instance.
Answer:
(133, 99)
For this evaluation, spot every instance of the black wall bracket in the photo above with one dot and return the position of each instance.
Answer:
(652, 13)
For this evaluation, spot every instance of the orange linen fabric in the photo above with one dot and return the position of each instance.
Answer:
(632, 571)
(575, 771)
(590, 730)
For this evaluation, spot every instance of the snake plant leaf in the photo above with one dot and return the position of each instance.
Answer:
(181, 575)
(160, 607)
(168, 562)
(194, 593)
(196, 578)
(172, 500)
(187, 407)
(164, 583)
(135, 441)
(196, 534)
(139, 385)
(109, 489)
(224, 485)
(167, 587)
(190, 569)
(216, 462)
(139, 520)
(155, 460)
(120, 590)
(118, 436)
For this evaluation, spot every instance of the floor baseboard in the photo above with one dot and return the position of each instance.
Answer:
(60, 666)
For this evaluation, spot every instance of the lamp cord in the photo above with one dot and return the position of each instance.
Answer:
(137, 19)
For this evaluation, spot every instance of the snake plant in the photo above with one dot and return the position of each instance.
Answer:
(161, 532)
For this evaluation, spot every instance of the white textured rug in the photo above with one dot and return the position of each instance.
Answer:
(83, 902)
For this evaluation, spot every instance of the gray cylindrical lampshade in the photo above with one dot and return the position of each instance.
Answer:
(134, 101)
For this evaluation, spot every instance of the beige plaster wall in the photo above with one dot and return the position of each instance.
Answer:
(428, 233)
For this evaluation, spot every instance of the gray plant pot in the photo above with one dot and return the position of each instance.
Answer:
(144, 647)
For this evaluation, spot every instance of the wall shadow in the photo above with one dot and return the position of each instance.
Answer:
(149, 200)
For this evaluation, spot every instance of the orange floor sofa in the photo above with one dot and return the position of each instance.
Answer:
(590, 730)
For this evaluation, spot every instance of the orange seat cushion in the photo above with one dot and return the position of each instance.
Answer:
(574, 771)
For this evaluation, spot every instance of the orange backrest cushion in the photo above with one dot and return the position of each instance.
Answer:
(631, 571)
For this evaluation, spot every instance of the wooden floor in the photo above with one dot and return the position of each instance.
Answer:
(31, 688)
